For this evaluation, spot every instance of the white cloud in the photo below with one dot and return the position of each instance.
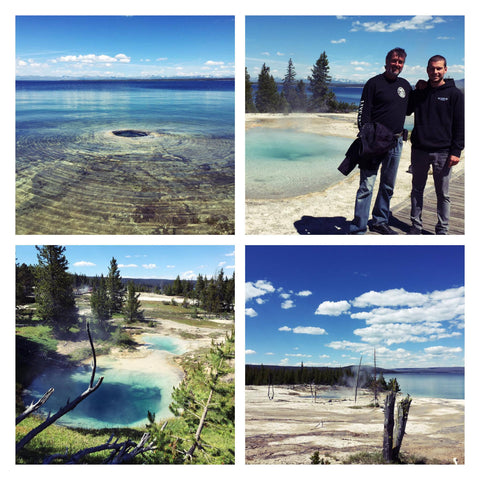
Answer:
(310, 330)
(341, 40)
(129, 265)
(250, 352)
(84, 263)
(285, 295)
(418, 22)
(250, 312)
(287, 304)
(392, 297)
(189, 275)
(333, 308)
(439, 350)
(285, 329)
(212, 62)
(149, 266)
(257, 289)
(92, 58)
(304, 293)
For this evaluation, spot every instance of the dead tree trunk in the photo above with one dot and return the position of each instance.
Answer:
(358, 377)
(388, 427)
(394, 426)
(401, 425)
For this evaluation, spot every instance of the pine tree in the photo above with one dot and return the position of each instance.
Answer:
(53, 289)
(289, 86)
(115, 288)
(267, 97)
(301, 100)
(322, 96)
(249, 104)
(199, 290)
(205, 399)
(99, 302)
(131, 310)
(177, 286)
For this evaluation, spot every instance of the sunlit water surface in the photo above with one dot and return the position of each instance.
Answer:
(287, 163)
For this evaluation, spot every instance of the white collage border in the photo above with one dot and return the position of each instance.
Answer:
(240, 9)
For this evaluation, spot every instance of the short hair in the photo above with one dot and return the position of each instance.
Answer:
(399, 51)
(437, 58)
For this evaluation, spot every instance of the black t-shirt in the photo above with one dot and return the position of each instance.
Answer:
(384, 101)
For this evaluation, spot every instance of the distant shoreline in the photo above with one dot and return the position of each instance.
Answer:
(133, 79)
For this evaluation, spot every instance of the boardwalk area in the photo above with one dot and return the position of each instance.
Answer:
(400, 220)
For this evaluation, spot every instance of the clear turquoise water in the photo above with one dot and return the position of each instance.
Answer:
(51, 116)
(123, 399)
(190, 107)
(287, 163)
(157, 342)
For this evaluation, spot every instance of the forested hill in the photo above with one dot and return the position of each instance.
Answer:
(289, 375)
(284, 375)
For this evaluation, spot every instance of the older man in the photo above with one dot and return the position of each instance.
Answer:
(437, 140)
(384, 101)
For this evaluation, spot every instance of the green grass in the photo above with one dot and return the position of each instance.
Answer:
(56, 439)
(40, 334)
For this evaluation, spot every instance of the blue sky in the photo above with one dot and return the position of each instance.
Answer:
(355, 45)
(329, 305)
(142, 261)
(125, 46)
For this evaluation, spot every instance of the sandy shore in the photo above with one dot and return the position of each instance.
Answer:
(291, 427)
(278, 217)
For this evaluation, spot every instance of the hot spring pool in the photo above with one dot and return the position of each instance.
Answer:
(127, 393)
(287, 163)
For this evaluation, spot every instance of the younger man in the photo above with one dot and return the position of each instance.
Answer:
(437, 140)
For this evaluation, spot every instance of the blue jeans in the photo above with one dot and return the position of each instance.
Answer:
(381, 209)
(421, 162)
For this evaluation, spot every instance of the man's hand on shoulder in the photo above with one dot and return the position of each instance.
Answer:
(453, 160)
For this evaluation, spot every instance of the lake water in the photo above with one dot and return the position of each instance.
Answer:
(123, 399)
(285, 163)
(432, 385)
(74, 176)
(56, 110)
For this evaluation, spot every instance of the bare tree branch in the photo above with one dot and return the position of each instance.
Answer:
(121, 452)
(68, 407)
(34, 406)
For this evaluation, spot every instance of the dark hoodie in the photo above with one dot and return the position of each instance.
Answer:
(439, 118)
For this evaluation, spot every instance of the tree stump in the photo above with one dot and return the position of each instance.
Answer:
(394, 426)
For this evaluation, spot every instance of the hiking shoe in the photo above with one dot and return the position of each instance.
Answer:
(414, 230)
(383, 229)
